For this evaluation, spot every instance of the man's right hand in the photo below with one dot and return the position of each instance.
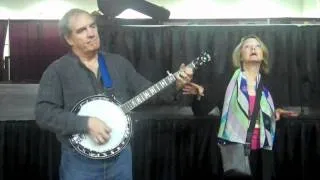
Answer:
(99, 131)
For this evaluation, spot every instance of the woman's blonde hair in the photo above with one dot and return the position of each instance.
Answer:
(237, 59)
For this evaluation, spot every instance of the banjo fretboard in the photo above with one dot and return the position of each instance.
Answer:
(160, 85)
(148, 93)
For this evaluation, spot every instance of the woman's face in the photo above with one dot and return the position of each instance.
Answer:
(251, 51)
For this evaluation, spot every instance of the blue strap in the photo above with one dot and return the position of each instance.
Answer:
(106, 79)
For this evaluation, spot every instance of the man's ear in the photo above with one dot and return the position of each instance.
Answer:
(68, 40)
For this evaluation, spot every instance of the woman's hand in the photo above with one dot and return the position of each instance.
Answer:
(193, 89)
(281, 112)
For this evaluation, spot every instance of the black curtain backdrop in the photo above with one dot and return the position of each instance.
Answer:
(310, 60)
(296, 148)
(172, 147)
(294, 52)
(153, 50)
(34, 45)
(164, 148)
(3, 29)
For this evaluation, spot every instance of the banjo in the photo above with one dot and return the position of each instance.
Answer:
(116, 115)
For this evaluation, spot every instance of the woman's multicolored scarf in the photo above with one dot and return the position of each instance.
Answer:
(235, 113)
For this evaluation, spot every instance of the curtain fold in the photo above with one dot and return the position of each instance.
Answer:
(297, 148)
(175, 148)
(27, 151)
(164, 148)
(310, 65)
(34, 45)
(3, 32)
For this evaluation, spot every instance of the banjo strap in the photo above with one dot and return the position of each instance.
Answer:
(106, 79)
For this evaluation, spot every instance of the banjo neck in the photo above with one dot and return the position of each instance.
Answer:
(162, 84)
(148, 93)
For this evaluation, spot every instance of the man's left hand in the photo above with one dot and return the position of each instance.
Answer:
(184, 76)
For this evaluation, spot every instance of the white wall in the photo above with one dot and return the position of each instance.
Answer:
(311, 8)
(41, 9)
(236, 8)
(181, 9)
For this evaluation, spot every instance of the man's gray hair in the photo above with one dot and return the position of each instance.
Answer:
(64, 23)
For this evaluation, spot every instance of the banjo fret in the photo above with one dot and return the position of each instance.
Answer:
(148, 93)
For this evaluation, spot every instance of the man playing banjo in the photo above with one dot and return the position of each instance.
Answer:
(86, 71)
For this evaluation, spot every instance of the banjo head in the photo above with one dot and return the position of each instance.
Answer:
(108, 111)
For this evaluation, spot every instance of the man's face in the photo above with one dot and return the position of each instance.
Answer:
(84, 37)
